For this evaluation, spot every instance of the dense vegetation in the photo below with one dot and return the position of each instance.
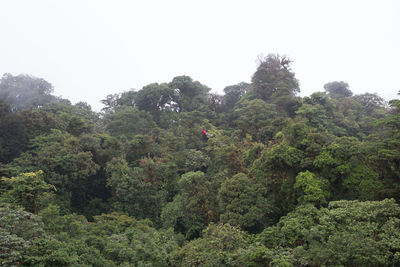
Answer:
(284, 180)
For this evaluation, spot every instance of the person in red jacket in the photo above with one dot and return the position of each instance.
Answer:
(205, 133)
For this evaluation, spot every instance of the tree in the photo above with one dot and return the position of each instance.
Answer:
(220, 245)
(196, 161)
(234, 93)
(13, 133)
(111, 103)
(65, 162)
(129, 122)
(384, 149)
(342, 163)
(135, 190)
(141, 245)
(62, 115)
(52, 252)
(18, 229)
(194, 207)
(370, 102)
(68, 242)
(255, 117)
(164, 191)
(241, 203)
(317, 110)
(346, 233)
(28, 190)
(312, 189)
(139, 147)
(25, 92)
(338, 89)
(274, 78)
(275, 172)
(155, 98)
(189, 94)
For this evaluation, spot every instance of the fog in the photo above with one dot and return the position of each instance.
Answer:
(89, 49)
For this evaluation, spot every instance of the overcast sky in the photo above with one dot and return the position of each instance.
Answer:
(89, 49)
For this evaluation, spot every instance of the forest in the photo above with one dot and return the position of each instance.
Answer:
(279, 179)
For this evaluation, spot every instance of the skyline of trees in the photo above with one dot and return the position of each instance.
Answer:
(284, 180)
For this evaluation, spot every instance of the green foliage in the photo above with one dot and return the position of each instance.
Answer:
(139, 184)
(274, 78)
(13, 133)
(384, 149)
(312, 189)
(75, 119)
(132, 188)
(226, 155)
(51, 252)
(319, 111)
(139, 147)
(65, 162)
(61, 157)
(370, 102)
(255, 117)
(234, 93)
(364, 182)
(66, 226)
(155, 98)
(242, 203)
(219, 245)
(77, 126)
(28, 190)
(18, 229)
(253, 152)
(189, 94)
(141, 245)
(196, 160)
(342, 163)
(196, 188)
(129, 122)
(316, 115)
(275, 172)
(194, 207)
(348, 233)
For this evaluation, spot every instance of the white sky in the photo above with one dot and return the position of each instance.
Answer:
(89, 49)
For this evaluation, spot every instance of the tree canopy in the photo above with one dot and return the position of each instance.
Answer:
(279, 180)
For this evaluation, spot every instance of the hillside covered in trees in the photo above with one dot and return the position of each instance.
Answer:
(281, 180)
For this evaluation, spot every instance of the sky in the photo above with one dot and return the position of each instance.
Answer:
(88, 49)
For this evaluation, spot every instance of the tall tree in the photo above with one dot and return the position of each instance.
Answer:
(154, 98)
(274, 78)
(338, 89)
(25, 92)
(189, 94)
(234, 93)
